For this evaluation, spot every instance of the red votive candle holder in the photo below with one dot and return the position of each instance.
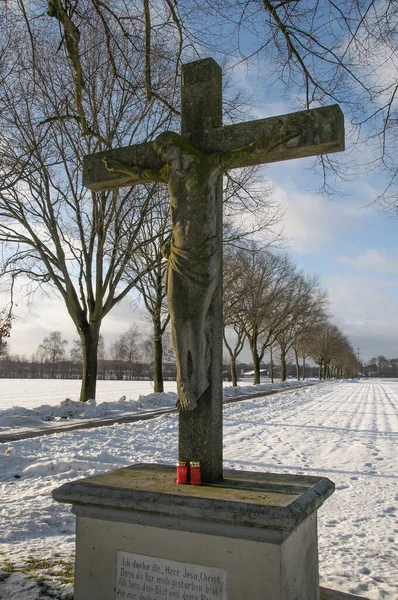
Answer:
(182, 473)
(195, 473)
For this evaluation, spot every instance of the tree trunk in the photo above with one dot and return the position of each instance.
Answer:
(89, 337)
(157, 357)
(320, 371)
(303, 368)
(256, 359)
(271, 365)
(297, 366)
(232, 365)
(257, 375)
(283, 363)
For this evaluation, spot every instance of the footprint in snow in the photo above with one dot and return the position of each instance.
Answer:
(361, 587)
(364, 571)
(343, 486)
(390, 510)
(332, 523)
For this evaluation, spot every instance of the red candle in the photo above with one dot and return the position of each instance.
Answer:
(195, 473)
(182, 472)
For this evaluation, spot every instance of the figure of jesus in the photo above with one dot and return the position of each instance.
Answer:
(194, 256)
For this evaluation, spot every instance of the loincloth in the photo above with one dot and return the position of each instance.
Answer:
(197, 266)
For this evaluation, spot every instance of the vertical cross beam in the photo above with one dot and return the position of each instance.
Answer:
(200, 430)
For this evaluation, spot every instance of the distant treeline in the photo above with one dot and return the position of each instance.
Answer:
(381, 366)
(19, 368)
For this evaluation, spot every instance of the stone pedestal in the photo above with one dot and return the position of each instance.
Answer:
(142, 537)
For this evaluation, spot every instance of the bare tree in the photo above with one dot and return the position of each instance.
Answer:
(234, 332)
(301, 348)
(152, 285)
(329, 347)
(344, 363)
(52, 350)
(71, 90)
(5, 329)
(271, 283)
(127, 348)
(76, 352)
(307, 308)
(259, 295)
(83, 78)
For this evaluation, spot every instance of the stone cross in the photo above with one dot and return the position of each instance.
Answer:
(192, 164)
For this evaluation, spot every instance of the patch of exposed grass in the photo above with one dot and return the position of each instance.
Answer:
(34, 564)
(51, 574)
(8, 566)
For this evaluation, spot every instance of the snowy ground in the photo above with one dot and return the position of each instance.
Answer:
(347, 431)
(37, 404)
(31, 393)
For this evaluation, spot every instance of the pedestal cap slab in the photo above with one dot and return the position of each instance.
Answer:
(244, 498)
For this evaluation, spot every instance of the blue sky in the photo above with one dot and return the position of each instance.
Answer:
(351, 245)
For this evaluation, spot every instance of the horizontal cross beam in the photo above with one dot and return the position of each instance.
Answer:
(306, 133)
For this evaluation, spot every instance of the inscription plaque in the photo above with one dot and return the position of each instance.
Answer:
(148, 578)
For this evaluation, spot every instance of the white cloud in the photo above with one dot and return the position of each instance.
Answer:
(311, 221)
(35, 320)
(372, 260)
(364, 306)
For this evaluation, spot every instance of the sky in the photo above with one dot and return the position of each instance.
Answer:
(352, 247)
(344, 239)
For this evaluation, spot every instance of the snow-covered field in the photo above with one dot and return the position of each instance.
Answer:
(37, 404)
(31, 393)
(347, 431)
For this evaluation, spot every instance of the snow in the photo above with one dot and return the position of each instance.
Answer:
(347, 431)
(31, 393)
(138, 397)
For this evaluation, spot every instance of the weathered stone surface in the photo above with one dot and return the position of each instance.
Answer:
(318, 131)
(201, 100)
(250, 499)
(97, 177)
(200, 430)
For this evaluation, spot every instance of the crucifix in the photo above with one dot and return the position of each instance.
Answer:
(191, 164)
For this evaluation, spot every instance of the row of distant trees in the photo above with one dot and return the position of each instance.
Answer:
(269, 305)
(129, 357)
(284, 315)
(272, 305)
(381, 366)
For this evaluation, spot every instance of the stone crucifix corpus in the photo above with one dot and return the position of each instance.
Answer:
(192, 164)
